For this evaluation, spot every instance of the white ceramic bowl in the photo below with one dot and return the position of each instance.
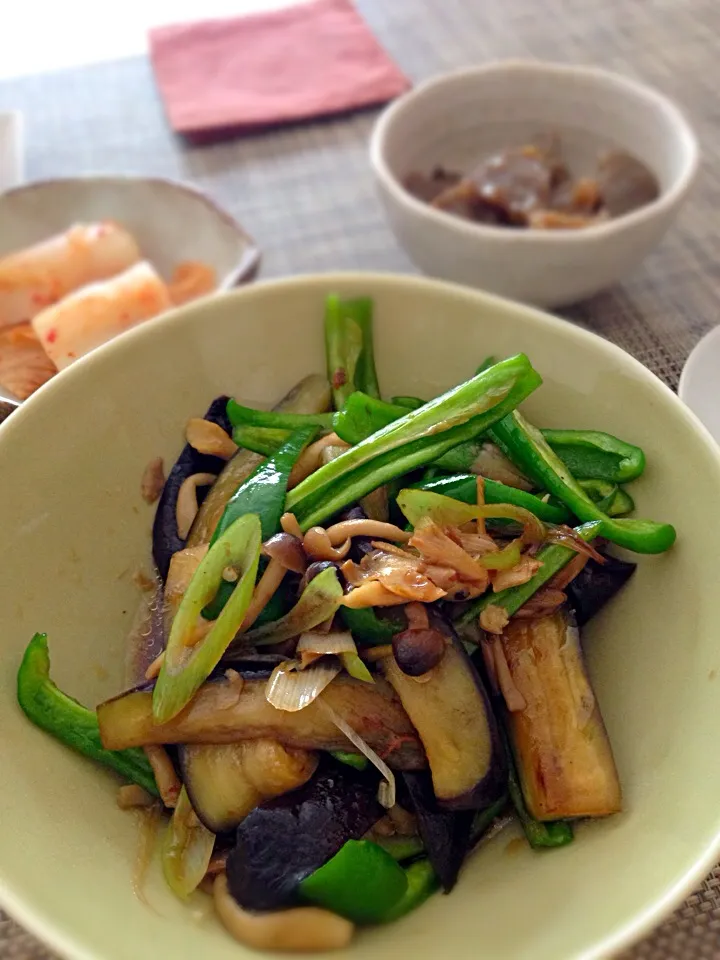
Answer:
(171, 221)
(74, 528)
(457, 118)
(699, 385)
(11, 149)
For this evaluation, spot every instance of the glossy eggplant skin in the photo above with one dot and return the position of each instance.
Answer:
(165, 538)
(563, 755)
(445, 833)
(226, 781)
(284, 840)
(596, 584)
(219, 713)
(451, 712)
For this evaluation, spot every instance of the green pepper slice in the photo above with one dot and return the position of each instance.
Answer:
(422, 882)
(414, 440)
(69, 722)
(361, 882)
(349, 348)
(529, 450)
(463, 486)
(596, 455)
(363, 415)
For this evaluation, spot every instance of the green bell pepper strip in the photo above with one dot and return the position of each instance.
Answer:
(463, 487)
(264, 440)
(369, 630)
(240, 416)
(486, 364)
(355, 760)
(601, 492)
(461, 459)
(596, 455)
(539, 834)
(185, 667)
(186, 850)
(412, 403)
(528, 449)
(69, 722)
(609, 497)
(484, 819)
(422, 882)
(622, 504)
(363, 415)
(318, 602)
(349, 348)
(265, 489)
(553, 557)
(262, 493)
(414, 440)
(361, 882)
(401, 848)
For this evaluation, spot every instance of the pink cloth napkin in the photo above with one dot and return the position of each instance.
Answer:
(305, 61)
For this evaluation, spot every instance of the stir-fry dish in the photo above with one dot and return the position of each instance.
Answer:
(361, 653)
(61, 298)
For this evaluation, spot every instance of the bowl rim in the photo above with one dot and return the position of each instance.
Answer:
(688, 385)
(66, 942)
(663, 204)
(249, 263)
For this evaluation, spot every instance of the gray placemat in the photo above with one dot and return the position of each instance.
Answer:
(307, 197)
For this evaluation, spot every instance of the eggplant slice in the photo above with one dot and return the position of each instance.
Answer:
(446, 834)
(284, 840)
(165, 538)
(220, 713)
(562, 750)
(226, 781)
(451, 712)
(596, 584)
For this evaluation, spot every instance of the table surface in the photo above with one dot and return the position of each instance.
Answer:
(305, 193)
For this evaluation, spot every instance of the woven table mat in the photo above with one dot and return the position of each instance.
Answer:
(306, 195)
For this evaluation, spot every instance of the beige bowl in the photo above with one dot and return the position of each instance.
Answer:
(171, 221)
(74, 528)
(457, 118)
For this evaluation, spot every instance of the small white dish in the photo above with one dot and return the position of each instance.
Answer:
(11, 149)
(171, 221)
(699, 384)
(457, 118)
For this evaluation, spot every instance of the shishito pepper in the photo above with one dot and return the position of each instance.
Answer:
(186, 665)
(530, 451)
(414, 440)
(349, 348)
(595, 455)
(362, 882)
(68, 721)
